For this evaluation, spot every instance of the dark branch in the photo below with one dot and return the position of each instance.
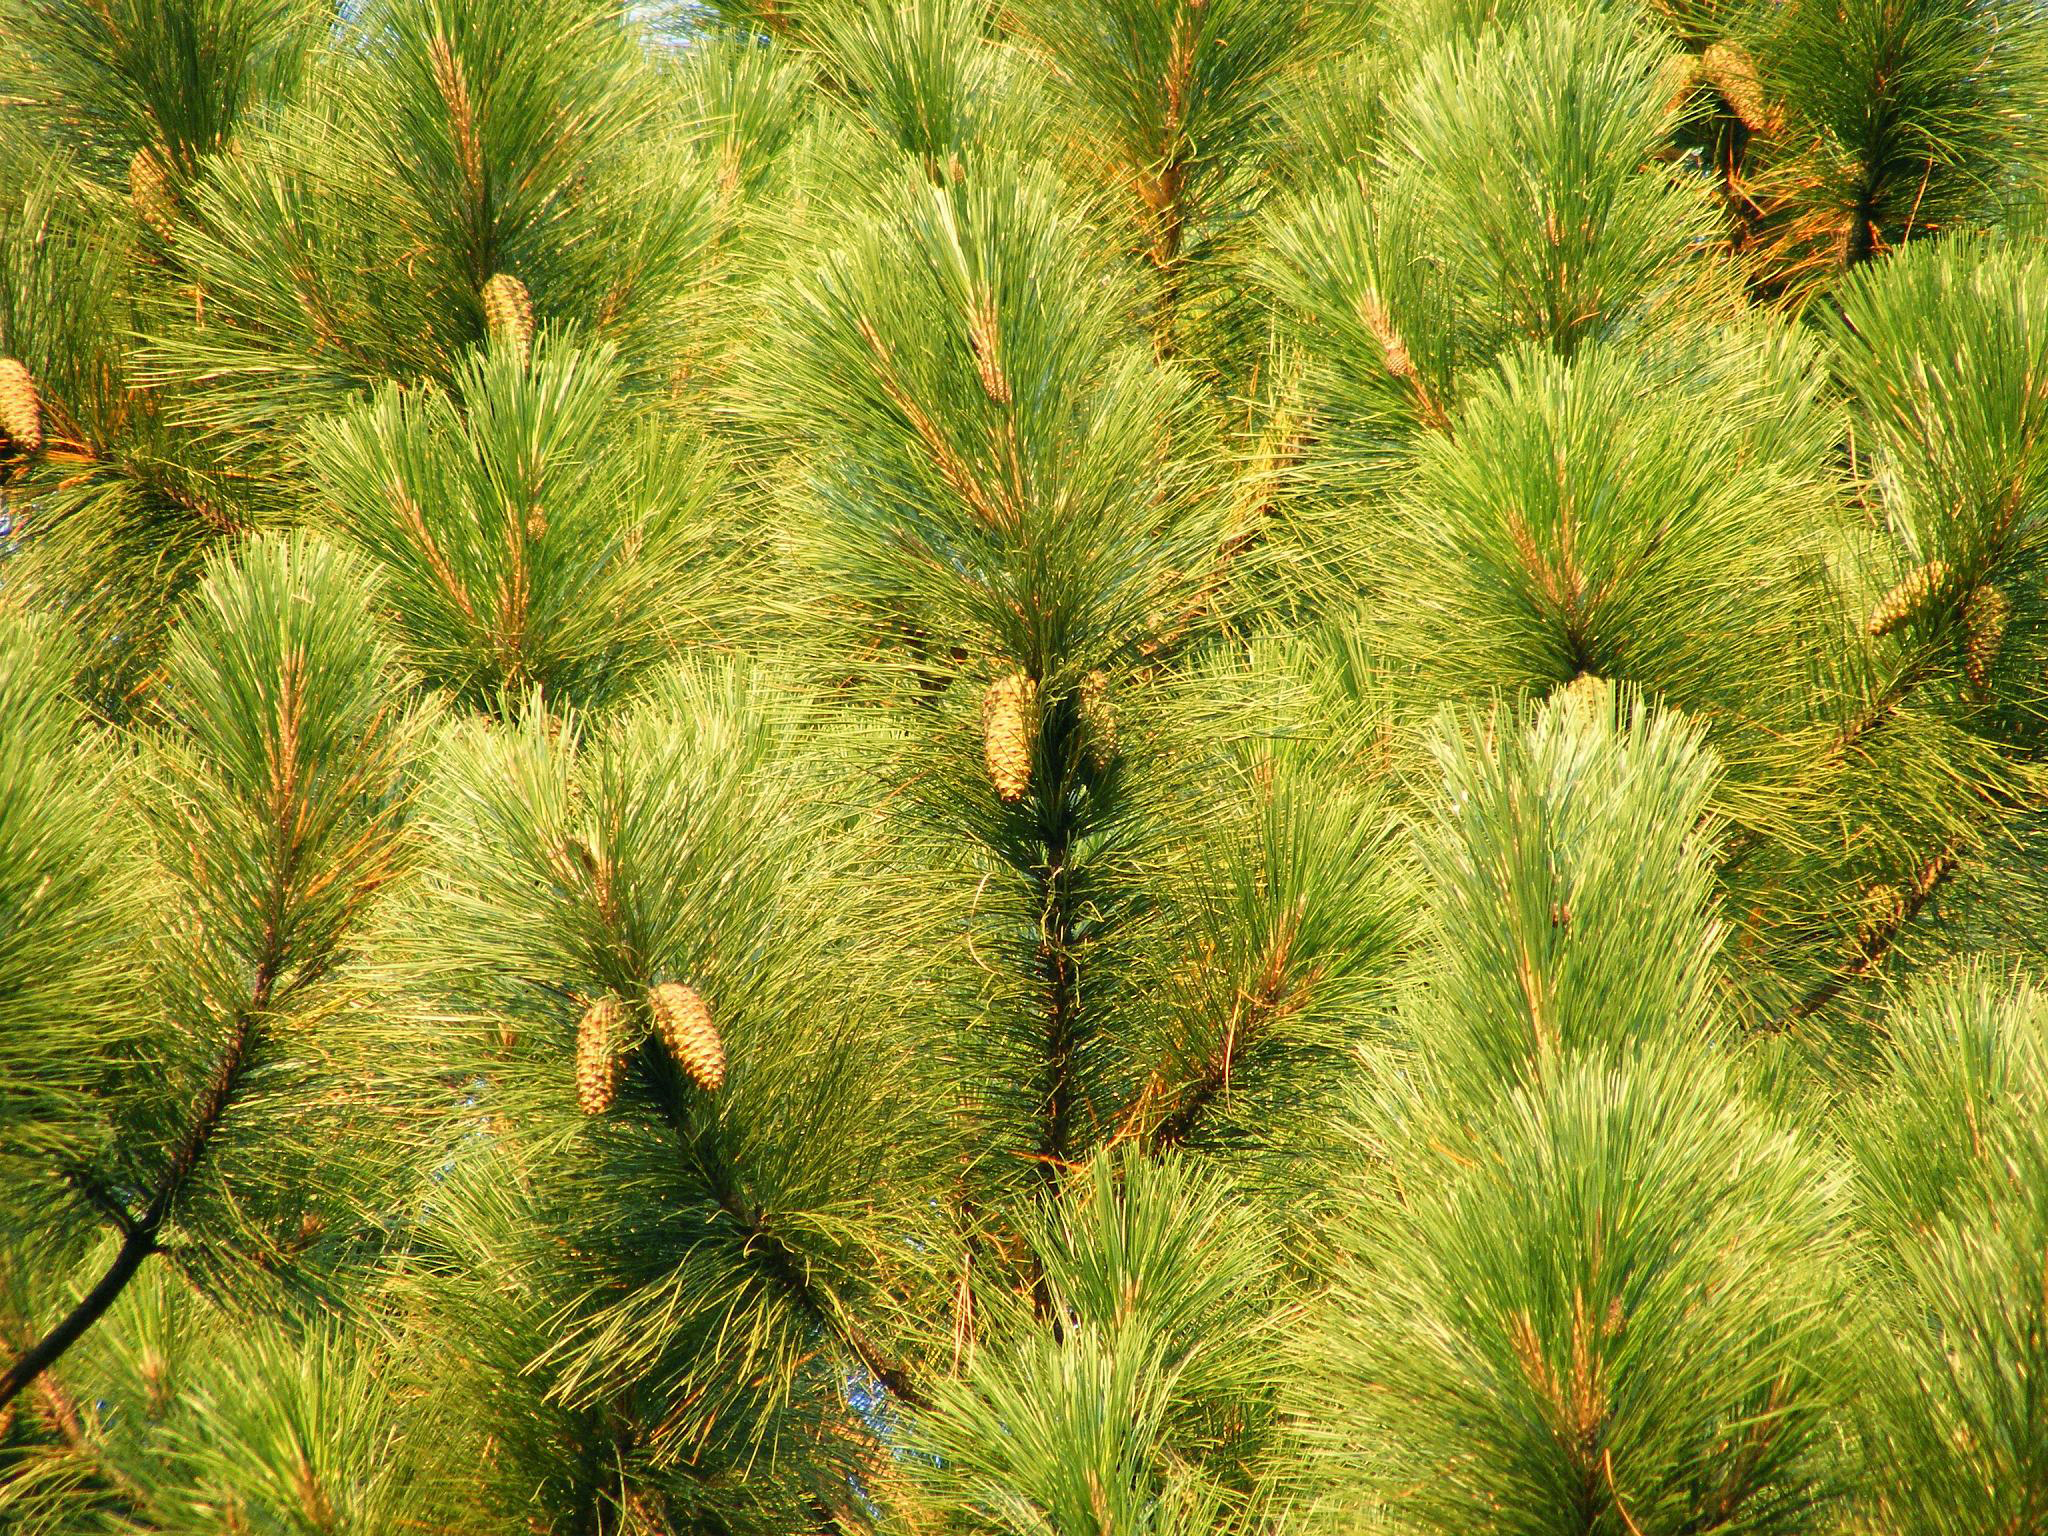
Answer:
(40, 1356)
(139, 1234)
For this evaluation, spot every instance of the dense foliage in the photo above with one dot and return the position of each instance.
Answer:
(1104, 768)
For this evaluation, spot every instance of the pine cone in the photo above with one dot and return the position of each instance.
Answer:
(1907, 600)
(21, 409)
(149, 193)
(1676, 79)
(1728, 68)
(599, 1066)
(683, 1020)
(1984, 614)
(1009, 734)
(508, 315)
(1393, 350)
(643, 1515)
(1098, 721)
(1587, 698)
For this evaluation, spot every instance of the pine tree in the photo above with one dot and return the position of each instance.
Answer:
(1096, 769)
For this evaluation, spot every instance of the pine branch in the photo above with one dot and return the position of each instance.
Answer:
(139, 1237)
(264, 714)
(1211, 1083)
(1862, 235)
(96, 1194)
(786, 1266)
(1164, 188)
(1180, 1123)
(58, 1410)
(783, 1263)
(47, 1350)
(1885, 703)
(1062, 1006)
(1251, 1012)
(1875, 945)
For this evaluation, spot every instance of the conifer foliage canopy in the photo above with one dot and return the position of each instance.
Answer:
(1092, 768)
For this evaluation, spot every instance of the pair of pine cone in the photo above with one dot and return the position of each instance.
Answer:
(1009, 730)
(682, 1019)
(1985, 610)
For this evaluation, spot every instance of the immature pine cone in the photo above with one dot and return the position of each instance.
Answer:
(1984, 615)
(599, 1066)
(149, 193)
(1909, 597)
(1009, 734)
(1587, 698)
(508, 315)
(21, 409)
(1393, 350)
(683, 1020)
(1098, 721)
